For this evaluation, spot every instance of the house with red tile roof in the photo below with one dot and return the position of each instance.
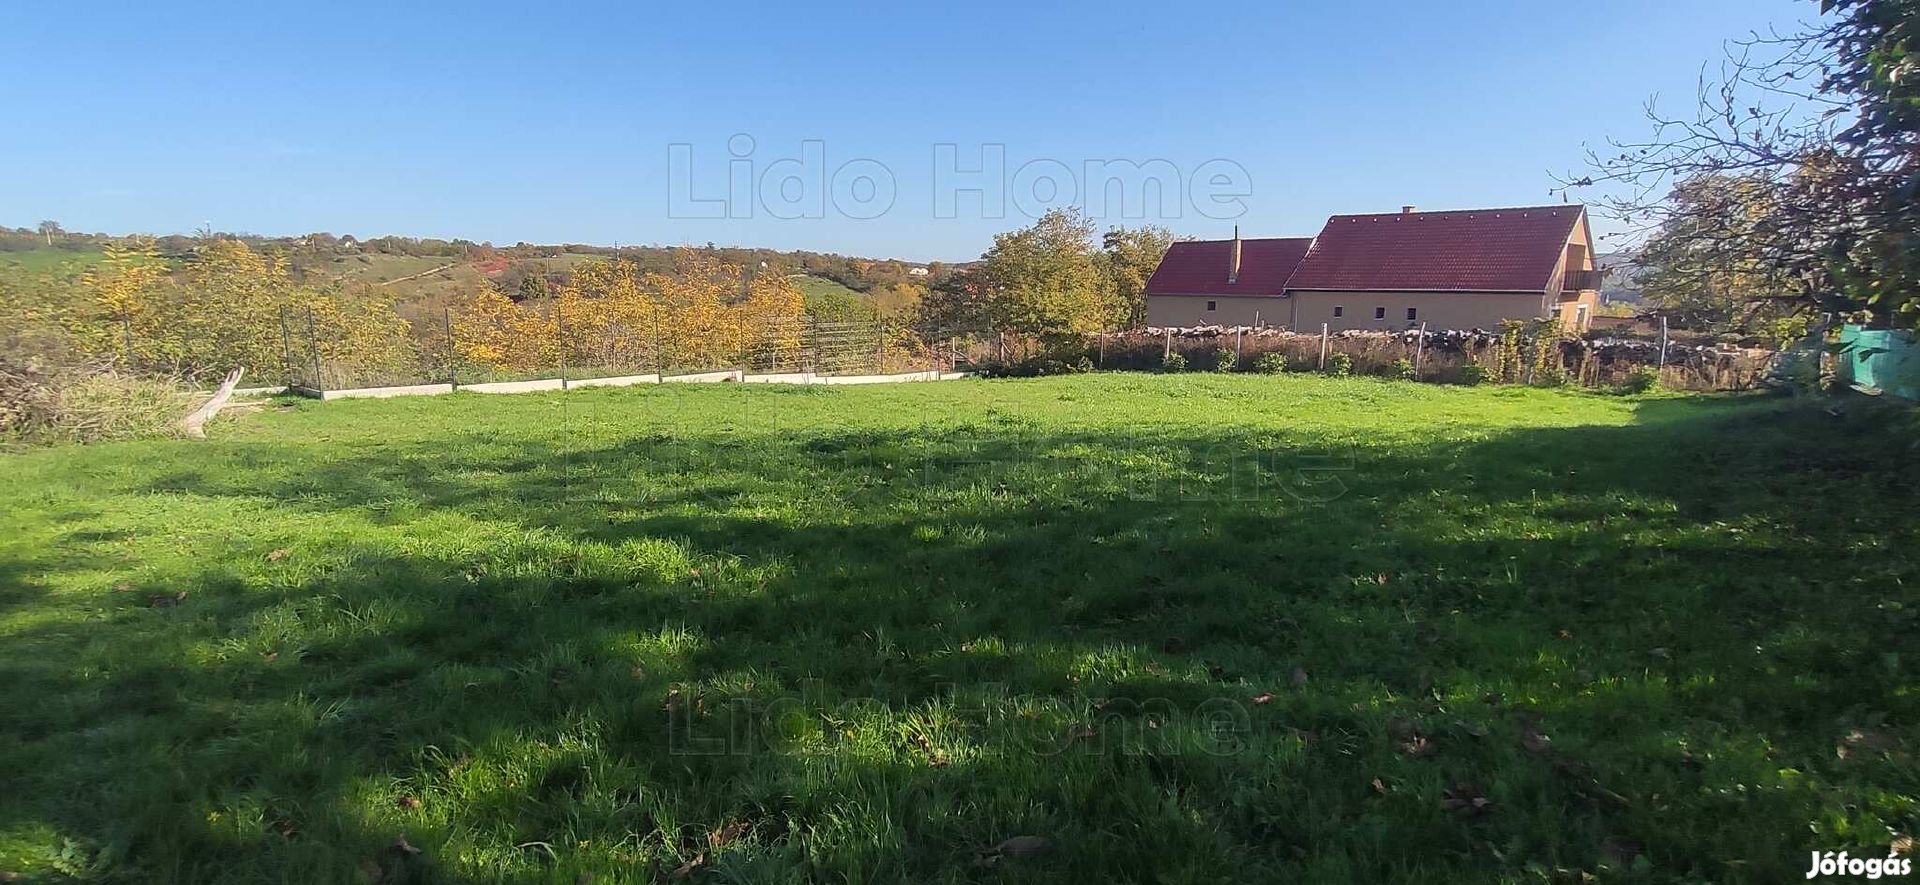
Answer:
(1452, 270)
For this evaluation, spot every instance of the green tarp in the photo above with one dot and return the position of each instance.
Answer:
(1887, 360)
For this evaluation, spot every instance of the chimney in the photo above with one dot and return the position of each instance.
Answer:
(1409, 210)
(1233, 270)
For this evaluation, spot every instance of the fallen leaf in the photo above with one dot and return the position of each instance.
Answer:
(270, 656)
(162, 600)
(1299, 677)
(1263, 698)
(1620, 851)
(1902, 844)
(732, 831)
(284, 827)
(122, 587)
(407, 802)
(1533, 740)
(277, 555)
(1562, 634)
(1466, 800)
(1024, 846)
(1379, 786)
(639, 672)
(674, 701)
(1381, 579)
(1417, 745)
(1867, 739)
(687, 869)
(402, 846)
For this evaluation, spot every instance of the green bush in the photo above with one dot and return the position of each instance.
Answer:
(1643, 379)
(1174, 362)
(1473, 374)
(1223, 360)
(1271, 363)
(1339, 365)
(1402, 369)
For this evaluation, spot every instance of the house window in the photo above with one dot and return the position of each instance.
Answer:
(1413, 313)
(1379, 313)
(1339, 311)
(1210, 305)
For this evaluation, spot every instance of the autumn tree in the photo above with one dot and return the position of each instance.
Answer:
(1045, 280)
(1128, 258)
(1696, 266)
(1827, 123)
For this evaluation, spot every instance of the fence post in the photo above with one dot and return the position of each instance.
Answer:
(1236, 342)
(1168, 353)
(1663, 344)
(1323, 346)
(286, 351)
(453, 351)
(1420, 351)
(560, 332)
(313, 354)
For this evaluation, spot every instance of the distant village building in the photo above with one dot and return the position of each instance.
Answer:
(917, 272)
(1450, 270)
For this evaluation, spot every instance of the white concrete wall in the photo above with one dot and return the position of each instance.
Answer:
(616, 381)
(514, 386)
(385, 392)
(552, 384)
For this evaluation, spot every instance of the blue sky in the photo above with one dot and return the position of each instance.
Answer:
(557, 123)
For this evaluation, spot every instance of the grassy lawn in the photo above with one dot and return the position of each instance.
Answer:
(1179, 629)
(53, 261)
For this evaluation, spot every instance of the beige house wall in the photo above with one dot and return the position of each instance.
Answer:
(1191, 310)
(1439, 310)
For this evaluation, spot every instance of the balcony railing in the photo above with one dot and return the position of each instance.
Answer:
(1581, 280)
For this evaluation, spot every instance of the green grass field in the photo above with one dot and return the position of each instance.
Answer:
(53, 261)
(1175, 629)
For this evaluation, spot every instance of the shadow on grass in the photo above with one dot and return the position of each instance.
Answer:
(870, 656)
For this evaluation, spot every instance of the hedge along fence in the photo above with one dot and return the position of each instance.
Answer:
(1519, 356)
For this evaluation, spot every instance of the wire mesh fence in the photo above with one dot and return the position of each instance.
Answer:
(454, 350)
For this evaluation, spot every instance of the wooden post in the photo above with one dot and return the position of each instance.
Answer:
(1168, 353)
(1236, 342)
(1420, 350)
(560, 332)
(1663, 344)
(453, 352)
(1323, 346)
(286, 350)
(313, 354)
(1103, 350)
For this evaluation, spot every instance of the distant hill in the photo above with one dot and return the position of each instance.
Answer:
(427, 274)
(1622, 285)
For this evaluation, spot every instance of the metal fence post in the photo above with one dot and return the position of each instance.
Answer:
(1323, 346)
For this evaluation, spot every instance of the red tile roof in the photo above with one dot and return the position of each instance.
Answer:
(1199, 267)
(1479, 250)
